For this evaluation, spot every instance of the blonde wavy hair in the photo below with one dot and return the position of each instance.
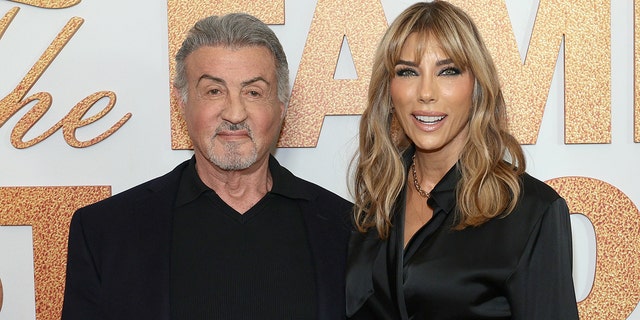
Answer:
(492, 159)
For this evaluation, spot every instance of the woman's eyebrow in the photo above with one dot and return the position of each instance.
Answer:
(413, 64)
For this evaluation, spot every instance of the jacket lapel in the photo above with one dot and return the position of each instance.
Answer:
(153, 216)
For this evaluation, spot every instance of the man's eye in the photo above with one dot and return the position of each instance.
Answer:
(253, 93)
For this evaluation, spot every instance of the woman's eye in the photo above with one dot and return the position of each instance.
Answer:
(451, 71)
(406, 72)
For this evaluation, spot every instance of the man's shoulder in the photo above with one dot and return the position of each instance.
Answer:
(321, 194)
(162, 185)
(300, 188)
(329, 205)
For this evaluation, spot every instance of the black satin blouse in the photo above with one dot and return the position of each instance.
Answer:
(517, 267)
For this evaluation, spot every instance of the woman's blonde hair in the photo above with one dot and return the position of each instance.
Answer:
(491, 160)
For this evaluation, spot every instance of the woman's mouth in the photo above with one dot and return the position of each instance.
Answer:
(429, 119)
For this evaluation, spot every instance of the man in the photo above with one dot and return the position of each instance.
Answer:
(228, 234)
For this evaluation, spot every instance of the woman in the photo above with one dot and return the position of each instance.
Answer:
(449, 224)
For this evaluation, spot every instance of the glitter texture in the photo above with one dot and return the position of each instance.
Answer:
(182, 15)
(13, 102)
(6, 20)
(636, 37)
(315, 92)
(616, 220)
(49, 4)
(48, 210)
(526, 86)
(74, 120)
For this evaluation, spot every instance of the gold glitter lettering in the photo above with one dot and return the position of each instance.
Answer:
(48, 210)
(315, 92)
(616, 221)
(526, 85)
(49, 4)
(6, 20)
(636, 122)
(15, 101)
(74, 120)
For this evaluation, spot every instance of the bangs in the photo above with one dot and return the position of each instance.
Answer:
(452, 34)
(452, 49)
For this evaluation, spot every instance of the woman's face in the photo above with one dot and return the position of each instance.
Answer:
(432, 99)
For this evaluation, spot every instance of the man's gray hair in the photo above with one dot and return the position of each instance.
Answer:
(234, 30)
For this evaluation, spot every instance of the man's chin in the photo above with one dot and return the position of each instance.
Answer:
(233, 162)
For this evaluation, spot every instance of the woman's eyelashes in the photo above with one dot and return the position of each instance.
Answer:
(406, 72)
(450, 71)
(410, 72)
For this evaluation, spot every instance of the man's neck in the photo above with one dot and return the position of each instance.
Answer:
(240, 189)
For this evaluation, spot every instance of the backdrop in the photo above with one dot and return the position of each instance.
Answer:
(85, 112)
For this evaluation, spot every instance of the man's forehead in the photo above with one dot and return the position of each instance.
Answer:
(251, 61)
(208, 78)
(234, 52)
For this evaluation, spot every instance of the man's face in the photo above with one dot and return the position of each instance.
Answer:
(232, 110)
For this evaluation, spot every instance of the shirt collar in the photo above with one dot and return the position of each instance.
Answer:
(443, 194)
(284, 183)
(190, 186)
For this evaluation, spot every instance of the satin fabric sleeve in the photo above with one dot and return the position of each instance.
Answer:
(541, 287)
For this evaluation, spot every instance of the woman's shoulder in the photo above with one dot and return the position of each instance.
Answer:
(537, 200)
(536, 190)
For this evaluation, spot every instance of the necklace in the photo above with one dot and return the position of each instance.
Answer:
(423, 193)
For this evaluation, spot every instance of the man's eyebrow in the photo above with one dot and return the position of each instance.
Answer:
(254, 80)
(221, 81)
(212, 78)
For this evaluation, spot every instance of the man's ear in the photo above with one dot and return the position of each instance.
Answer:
(177, 96)
(283, 111)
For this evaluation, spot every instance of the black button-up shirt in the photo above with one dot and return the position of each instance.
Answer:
(516, 267)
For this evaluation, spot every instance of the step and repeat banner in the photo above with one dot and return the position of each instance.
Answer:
(86, 112)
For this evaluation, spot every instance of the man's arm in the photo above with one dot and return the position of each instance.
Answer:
(82, 289)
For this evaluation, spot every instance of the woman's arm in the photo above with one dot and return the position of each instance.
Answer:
(542, 286)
